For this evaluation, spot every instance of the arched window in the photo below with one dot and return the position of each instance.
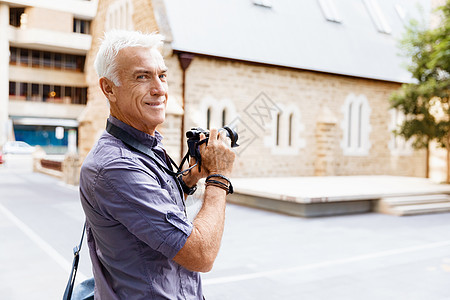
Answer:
(215, 113)
(356, 125)
(291, 116)
(224, 117)
(286, 137)
(208, 118)
(119, 15)
(349, 125)
(397, 144)
(277, 137)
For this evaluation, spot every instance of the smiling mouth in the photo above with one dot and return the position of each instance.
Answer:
(158, 103)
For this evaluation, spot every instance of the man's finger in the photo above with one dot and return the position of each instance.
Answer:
(213, 135)
(224, 138)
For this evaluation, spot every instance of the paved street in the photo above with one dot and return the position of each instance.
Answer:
(264, 255)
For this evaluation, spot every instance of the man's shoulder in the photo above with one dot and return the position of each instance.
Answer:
(105, 151)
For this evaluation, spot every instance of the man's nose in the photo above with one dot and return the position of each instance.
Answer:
(158, 88)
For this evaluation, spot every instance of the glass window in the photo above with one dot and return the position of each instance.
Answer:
(357, 121)
(58, 60)
(291, 116)
(80, 63)
(75, 25)
(70, 63)
(45, 92)
(277, 141)
(23, 90)
(36, 92)
(81, 26)
(47, 61)
(13, 55)
(24, 57)
(68, 91)
(12, 88)
(14, 15)
(208, 118)
(83, 95)
(36, 58)
(224, 117)
(57, 92)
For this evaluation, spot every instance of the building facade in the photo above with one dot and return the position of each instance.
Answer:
(43, 49)
(306, 84)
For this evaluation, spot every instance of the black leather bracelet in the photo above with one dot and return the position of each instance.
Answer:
(187, 190)
(230, 186)
(221, 186)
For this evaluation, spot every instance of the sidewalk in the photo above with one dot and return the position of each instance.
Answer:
(263, 256)
(331, 195)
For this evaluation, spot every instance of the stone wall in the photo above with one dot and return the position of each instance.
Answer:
(319, 152)
(315, 99)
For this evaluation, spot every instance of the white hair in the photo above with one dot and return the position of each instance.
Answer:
(115, 40)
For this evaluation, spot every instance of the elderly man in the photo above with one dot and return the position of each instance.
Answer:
(141, 243)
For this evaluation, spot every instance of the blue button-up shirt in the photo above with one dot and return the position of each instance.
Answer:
(136, 222)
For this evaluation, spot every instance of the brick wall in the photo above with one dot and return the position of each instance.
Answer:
(311, 92)
(316, 98)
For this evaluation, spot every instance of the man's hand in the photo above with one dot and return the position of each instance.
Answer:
(193, 176)
(217, 156)
(201, 247)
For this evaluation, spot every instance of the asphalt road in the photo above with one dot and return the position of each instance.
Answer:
(264, 255)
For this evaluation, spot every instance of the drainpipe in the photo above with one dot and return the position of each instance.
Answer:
(185, 60)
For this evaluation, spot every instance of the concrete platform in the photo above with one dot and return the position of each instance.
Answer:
(324, 196)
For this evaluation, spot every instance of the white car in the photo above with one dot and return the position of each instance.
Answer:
(17, 147)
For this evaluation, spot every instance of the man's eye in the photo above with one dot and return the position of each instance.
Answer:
(141, 77)
(162, 76)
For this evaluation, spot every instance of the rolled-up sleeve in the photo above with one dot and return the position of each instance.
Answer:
(132, 195)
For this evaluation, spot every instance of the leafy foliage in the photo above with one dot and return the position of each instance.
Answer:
(425, 102)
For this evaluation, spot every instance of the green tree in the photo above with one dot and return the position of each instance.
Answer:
(425, 101)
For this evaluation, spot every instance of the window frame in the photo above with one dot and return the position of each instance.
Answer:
(356, 126)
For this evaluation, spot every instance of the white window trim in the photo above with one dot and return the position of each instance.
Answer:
(119, 15)
(298, 128)
(397, 144)
(360, 128)
(217, 107)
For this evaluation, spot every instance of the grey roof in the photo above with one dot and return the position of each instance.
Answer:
(294, 33)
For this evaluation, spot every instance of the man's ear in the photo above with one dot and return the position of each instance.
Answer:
(107, 88)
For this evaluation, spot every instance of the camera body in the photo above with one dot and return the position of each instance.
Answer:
(193, 140)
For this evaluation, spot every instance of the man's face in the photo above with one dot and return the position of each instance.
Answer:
(141, 99)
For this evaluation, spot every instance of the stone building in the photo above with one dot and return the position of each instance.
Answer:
(305, 83)
(43, 90)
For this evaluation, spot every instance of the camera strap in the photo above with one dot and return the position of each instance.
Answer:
(73, 272)
(136, 145)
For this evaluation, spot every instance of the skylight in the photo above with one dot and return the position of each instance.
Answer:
(377, 16)
(263, 3)
(329, 11)
(401, 12)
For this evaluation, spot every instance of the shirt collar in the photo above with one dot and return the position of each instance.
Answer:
(142, 137)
